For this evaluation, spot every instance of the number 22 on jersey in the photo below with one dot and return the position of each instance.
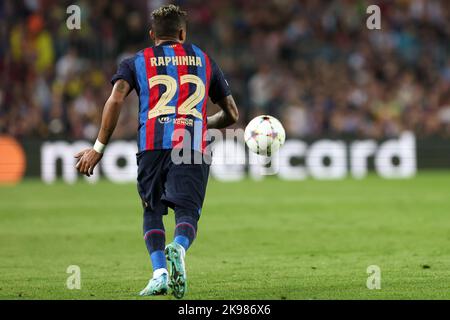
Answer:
(188, 106)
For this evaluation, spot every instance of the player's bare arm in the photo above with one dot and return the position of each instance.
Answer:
(225, 117)
(88, 158)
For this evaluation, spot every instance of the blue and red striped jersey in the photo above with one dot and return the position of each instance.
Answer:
(173, 82)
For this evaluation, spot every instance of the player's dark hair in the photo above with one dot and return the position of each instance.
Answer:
(168, 20)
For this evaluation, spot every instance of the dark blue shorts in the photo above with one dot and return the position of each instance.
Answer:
(163, 184)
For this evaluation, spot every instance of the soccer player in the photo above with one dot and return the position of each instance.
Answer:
(173, 80)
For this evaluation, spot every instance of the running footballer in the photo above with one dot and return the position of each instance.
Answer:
(173, 80)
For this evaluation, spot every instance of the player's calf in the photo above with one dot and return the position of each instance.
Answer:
(186, 226)
(185, 233)
(155, 238)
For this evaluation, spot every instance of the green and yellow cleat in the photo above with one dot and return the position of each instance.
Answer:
(175, 256)
(156, 286)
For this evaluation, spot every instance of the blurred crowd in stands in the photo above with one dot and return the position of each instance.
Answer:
(313, 64)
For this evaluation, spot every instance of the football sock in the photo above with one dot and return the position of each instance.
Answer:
(155, 238)
(159, 272)
(186, 226)
(158, 260)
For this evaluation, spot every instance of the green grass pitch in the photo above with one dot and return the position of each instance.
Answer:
(256, 240)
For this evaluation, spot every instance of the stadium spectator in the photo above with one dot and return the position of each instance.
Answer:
(313, 64)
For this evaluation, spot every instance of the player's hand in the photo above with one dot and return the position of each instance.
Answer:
(87, 160)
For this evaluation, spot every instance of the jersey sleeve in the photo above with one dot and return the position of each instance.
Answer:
(219, 87)
(125, 72)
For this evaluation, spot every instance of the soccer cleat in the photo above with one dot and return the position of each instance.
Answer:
(175, 256)
(156, 286)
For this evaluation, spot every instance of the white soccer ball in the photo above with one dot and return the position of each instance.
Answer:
(264, 135)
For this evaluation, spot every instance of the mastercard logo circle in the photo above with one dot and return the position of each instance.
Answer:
(12, 161)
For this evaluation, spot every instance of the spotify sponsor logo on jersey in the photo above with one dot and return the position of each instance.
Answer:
(296, 160)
